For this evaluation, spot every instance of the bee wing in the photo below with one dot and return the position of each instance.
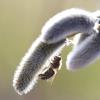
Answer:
(84, 53)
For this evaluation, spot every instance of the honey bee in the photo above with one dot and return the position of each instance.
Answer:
(54, 67)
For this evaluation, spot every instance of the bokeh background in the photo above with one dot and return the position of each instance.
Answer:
(20, 23)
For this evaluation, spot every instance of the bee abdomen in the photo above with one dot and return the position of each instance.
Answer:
(48, 74)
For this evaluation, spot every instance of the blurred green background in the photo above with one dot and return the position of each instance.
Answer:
(20, 23)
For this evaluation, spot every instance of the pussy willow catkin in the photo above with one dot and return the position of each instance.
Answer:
(52, 40)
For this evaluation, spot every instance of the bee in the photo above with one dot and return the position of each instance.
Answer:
(54, 67)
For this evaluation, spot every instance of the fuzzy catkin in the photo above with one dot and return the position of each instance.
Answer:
(68, 23)
(51, 41)
(85, 47)
(32, 64)
(85, 53)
